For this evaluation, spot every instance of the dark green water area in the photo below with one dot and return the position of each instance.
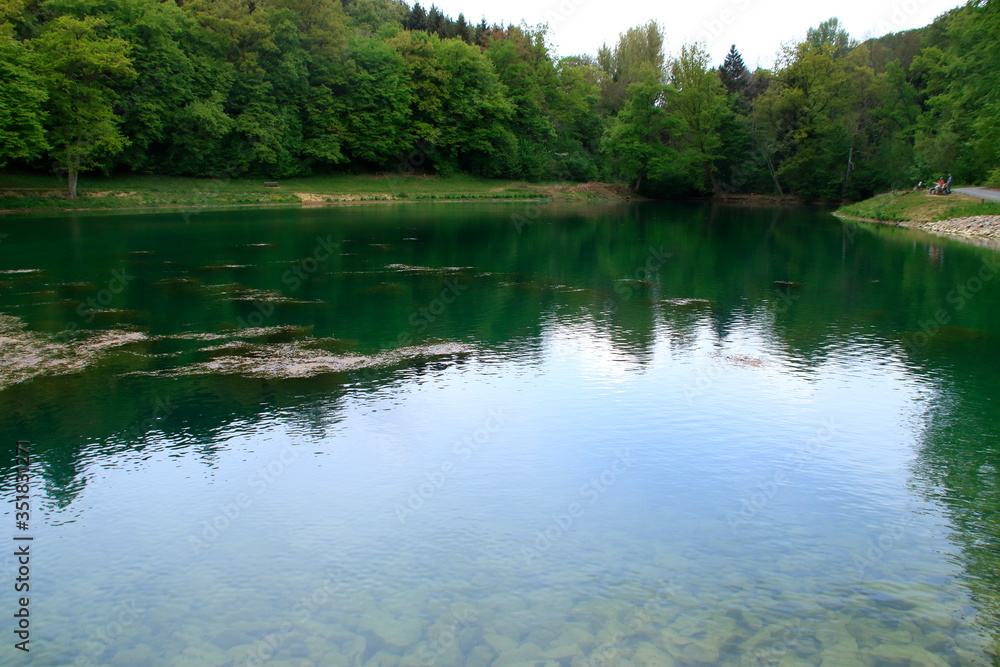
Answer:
(500, 435)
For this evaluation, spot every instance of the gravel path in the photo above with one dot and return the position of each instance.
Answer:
(985, 193)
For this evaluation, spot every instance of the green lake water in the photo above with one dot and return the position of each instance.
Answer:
(506, 435)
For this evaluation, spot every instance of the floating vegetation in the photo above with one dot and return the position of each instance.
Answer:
(267, 296)
(741, 360)
(225, 288)
(273, 352)
(198, 336)
(296, 360)
(427, 269)
(78, 288)
(26, 354)
(686, 302)
(221, 267)
(281, 334)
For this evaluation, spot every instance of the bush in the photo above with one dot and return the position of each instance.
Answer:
(993, 181)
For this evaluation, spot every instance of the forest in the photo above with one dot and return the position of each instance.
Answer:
(281, 88)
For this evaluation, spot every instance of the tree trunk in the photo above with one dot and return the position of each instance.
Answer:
(72, 183)
(767, 160)
(774, 176)
(72, 172)
(850, 160)
(716, 190)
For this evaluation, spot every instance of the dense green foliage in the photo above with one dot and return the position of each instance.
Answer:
(282, 88)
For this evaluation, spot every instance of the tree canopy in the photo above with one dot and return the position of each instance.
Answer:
(276, 88)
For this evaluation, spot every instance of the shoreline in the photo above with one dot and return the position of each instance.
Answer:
(169, 193)
(301, 204)
(969, 229)
(958, 215)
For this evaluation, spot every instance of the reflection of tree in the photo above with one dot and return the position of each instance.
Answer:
(808, 285)
(958, 468)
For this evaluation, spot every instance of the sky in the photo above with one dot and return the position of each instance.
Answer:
(757, 27)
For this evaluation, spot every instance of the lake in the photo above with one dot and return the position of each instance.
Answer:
(500, 434)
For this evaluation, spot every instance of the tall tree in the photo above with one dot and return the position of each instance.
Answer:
(637, 50)
(638, 137)
(734, 74)
(374, 103)
(22, 98)
(702, 106)
(831, 35)
(576, 119)
(523, 65)
(417, 19)
(81, 67)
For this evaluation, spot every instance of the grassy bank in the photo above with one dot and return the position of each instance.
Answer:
(918, 207)
(40, 192)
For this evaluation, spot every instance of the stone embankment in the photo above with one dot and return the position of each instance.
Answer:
(981, 226)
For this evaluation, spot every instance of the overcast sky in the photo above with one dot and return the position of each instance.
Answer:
(757, 27)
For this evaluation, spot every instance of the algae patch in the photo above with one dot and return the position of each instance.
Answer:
(298, 359)
(26, 354)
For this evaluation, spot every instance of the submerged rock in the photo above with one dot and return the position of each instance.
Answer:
(844, 652)
(906, 654)
(138, 655)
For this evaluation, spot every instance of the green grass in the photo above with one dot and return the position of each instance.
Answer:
(38, 191)
(918, 206)
(966, 210)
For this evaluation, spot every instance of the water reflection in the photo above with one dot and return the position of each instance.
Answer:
(668, 434)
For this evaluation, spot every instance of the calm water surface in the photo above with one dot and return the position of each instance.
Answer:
(471, 435)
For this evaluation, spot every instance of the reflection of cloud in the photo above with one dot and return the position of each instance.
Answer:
(590, 347)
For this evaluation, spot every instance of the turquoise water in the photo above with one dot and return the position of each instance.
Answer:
(630, 434)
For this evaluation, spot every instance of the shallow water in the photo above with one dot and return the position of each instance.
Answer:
(629, 434)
